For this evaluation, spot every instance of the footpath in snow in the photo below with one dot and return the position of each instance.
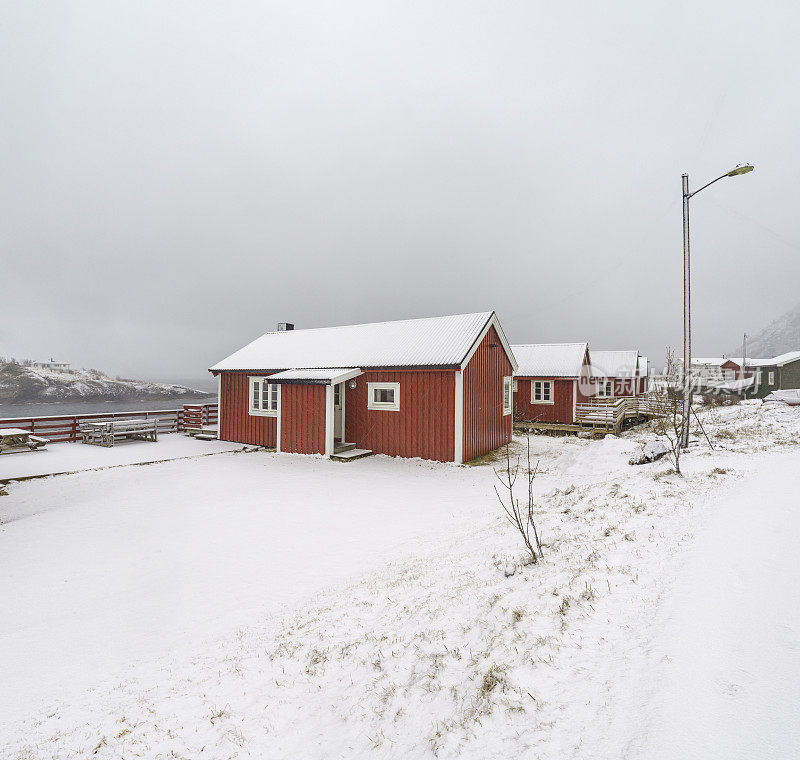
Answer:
(727, 662)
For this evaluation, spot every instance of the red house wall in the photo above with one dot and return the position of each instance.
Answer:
(485, 425)
(559, 411)
(737, 369)
(237, 424)
(303, 419)
(624, 386)
(423, 427)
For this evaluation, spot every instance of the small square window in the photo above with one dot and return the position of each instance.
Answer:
(605, 388)
(542, 392)
(384, 396)
(263, 397)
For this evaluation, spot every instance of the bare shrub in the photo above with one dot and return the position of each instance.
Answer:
(520, 516)
(669, 424)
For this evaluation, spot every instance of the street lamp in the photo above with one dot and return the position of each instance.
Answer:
(687, 319)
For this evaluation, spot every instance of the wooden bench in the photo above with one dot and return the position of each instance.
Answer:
(15, 439)
(106, 433)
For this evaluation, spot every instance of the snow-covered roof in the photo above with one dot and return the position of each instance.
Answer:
(614, 363)
(791, 356)
(549, 359)
(430, 342)
(775, 361)
(734, 385)
(332, 376)
(644, 366)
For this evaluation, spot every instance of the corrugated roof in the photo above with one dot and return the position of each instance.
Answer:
(614, 363)
(433, 341)
(330, 376)
(549, 359)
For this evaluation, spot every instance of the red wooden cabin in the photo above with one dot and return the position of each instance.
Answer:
(550, 380)
(616, 373)
(437, 388)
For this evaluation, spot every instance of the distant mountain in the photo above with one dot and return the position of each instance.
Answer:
(776, 338)
(23, 382)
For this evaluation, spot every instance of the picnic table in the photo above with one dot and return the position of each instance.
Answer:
(16, 439)
(106, 432)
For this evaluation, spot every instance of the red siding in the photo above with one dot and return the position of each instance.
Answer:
(485, 425)
(303, 419)
(237, 423)
(559, 411)
(425, 425)
(624, 386)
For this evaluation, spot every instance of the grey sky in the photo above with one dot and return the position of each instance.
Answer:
(178, 177)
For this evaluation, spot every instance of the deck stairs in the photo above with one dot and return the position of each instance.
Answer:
(347, 452)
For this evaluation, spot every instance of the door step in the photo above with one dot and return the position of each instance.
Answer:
(340, 448)
(351, 454)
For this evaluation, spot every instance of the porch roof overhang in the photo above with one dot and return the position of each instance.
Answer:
(332, 376)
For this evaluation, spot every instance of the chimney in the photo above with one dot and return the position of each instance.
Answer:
(285, 326)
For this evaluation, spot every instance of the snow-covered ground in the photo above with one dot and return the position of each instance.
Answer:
(273, 606)
(76, 457)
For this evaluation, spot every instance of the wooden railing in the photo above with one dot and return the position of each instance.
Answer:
(64, 428)
(196, 416)
(611, 413)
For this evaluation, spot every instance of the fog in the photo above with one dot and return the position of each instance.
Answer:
(179, 177)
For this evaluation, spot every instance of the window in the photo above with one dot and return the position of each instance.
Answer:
(383, 396)
(605, 388)
(515, 386)
(507, 395)
(263, 397)
(542, 392)
(770, 378)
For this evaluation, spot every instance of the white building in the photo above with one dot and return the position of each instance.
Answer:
(52, 364)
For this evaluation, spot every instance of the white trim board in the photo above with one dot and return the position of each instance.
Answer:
(493, 321)
(329, 443)
(458, 452)
(278, 422)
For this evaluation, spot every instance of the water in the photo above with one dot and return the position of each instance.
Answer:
(56, 408)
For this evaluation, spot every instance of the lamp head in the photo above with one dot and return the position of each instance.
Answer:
(741, 169)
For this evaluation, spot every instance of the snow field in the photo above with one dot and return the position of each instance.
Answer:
(409, 642)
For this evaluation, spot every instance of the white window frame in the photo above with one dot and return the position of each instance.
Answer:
(604, 384)
(508, 393)
(514, 387)
(542, 383)
(771, 378)
(394, 406)
(272, 390)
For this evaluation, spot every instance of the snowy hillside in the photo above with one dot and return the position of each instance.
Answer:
(779, 337)
(20, 383)
(366, 610)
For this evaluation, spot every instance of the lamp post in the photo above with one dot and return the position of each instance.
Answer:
(687, 301)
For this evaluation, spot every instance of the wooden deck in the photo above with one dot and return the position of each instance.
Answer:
(600, 415)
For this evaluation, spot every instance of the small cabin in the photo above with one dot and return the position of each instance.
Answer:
(438, 388)
(551, 380)
(616, 374)
(767, 375)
